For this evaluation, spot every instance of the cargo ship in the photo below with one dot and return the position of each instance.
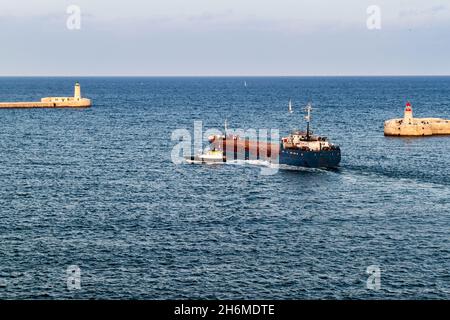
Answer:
(298, 149)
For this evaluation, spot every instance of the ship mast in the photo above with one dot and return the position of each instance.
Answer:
(308, 120)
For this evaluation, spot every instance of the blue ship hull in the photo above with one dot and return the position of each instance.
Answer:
(294, 157)
(310, 159)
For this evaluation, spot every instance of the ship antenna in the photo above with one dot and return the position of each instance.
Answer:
(308, 119)
(226, 127)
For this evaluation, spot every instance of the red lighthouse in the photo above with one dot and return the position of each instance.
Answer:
(408, 112)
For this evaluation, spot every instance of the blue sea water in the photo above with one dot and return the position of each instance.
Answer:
(96, 188)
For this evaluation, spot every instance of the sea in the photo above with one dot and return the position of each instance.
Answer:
(92, 205)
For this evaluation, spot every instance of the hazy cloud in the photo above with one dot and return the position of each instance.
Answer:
(178, 37)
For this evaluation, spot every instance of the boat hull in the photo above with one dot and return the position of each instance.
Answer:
(310, 159)
(276, 154)
(205, 160)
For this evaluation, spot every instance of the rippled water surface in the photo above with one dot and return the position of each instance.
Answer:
(96, 188)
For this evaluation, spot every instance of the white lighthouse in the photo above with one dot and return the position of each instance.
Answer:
(77, 94)
(408, 113)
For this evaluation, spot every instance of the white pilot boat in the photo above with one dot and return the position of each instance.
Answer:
(210, 157)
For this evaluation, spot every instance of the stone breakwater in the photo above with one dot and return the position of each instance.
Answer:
(52, 102)
(25, 105)
(410, 126)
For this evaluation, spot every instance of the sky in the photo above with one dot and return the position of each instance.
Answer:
(224, 37)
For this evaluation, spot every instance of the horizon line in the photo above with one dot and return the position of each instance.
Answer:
(222, 76)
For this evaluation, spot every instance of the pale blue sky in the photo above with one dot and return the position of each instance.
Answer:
(225, 37)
